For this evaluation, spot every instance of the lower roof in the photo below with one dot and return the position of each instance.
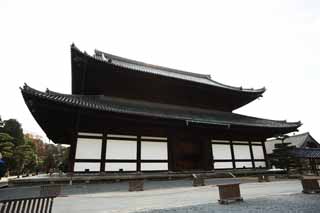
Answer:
(307, 153)
(151, 109)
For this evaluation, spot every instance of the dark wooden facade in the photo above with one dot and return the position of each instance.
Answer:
(112, 95)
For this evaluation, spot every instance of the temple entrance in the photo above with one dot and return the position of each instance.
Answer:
(188, 154)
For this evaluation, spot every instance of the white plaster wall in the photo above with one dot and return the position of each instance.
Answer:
(241, 152)
(258, 152)
(155, 138)
(223, 165)
(90, 134)
(88, 148)
(154, 166)
(121, 136)
(221, 141)
(259, 163)
(241, 164)
(121, 149)
(154, 151)
(80, 167)
(124, 166)
(221, 151)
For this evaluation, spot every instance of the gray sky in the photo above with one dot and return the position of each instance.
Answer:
(241, 43)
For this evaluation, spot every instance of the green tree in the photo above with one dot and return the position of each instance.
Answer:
(283, 158)
(25, 158)
(6, 146)
(14, 129)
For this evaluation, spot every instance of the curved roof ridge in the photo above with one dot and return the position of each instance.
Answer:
(199, 75)
(107, 56)
(164, 71)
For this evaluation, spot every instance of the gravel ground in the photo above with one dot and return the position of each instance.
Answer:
(284, 203)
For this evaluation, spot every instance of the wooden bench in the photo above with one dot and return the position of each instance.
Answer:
(136, 185)
(229, 192)
(310, 184)
(197, 180)
(27, 205)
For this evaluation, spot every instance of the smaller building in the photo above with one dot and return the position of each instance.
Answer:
(307, 149)
(304, 140)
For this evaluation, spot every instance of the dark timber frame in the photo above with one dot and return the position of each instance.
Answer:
(233, 160)
(103, 160)
(188, 109)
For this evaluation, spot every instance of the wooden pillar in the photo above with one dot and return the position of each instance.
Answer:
(138, 153)
(210, 154)
(251, 155)
(265, 154)
(207, 153)
(232, 155)
(72, 151)
(103, 153)
(170, 146)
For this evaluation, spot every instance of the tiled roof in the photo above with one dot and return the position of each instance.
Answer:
(296, 140)
(188, 114)
(307, 153)
(165, 71)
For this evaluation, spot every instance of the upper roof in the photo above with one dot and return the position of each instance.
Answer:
(300, 141)
(168, 72)
(166, 111)
(164, 71)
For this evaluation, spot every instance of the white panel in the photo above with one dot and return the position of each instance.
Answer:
(122, 136)
(90, 134)
(154, 151)
(258, 152)
(152, 138)
(120, 149)
(256, 142)
(241, 152)
(260, 163)
(221, 151)
(81, 167)
(154, 166)
(223, 165)
(244, 142)
(88, 148)
(124, 166)
(242, 164)
(220, 141)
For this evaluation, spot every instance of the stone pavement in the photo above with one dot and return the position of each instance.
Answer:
(274, 203)
(159, 196)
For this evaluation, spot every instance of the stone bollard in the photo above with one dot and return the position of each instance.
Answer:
(261, 178)
(197, 180)
(136, 185)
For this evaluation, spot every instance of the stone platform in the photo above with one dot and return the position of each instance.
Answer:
(117, 177)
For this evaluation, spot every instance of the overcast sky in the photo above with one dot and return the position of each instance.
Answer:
(275, 44)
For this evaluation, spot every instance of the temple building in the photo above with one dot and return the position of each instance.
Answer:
(125, 115)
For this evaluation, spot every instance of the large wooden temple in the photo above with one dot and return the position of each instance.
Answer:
(125, 115)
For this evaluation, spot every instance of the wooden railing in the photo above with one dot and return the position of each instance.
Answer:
(24, 205)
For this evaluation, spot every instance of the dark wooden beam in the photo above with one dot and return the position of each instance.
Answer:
(103, 153)
(251, 155)
(139, 154)
(232, 155)
(265, 154)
